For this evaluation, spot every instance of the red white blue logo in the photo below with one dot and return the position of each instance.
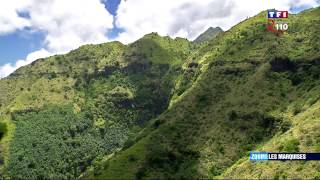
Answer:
(275, 26)
(277, 14)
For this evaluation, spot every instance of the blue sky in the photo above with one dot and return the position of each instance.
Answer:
(33, 29)
(19, 44)
(112, 6)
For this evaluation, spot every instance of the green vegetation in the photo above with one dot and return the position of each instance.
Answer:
(53, 143)
(163, 108)
(244, 96)
(104, 94)
(208, 35)
(3, 130)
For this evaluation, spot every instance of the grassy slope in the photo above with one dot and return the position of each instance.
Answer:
(117, 88)
(303, 112)
(208, 35)
(240, 102)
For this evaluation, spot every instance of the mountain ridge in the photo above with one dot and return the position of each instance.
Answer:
(208, 35)
(167, 108)
(170, 151)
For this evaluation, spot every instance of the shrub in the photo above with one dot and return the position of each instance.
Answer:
(3, 129)
(52, 76)
(280, 175)
(232, 115)
(317, 176)
(296, 79)
(128, 143)
(158, 122)
(215, 170)
(290, 146)
(297, 109)
(132, 158)
(283, 125)
(140, 173)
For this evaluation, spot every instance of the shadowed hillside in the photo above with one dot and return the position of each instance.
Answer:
(163, 108)
(68, 111)
(255, 91)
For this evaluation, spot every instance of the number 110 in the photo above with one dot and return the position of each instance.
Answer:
(282, 26)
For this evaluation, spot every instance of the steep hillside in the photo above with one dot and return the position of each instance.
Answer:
(208, 35)
(163, 108)
(255, 90)
(62, 114)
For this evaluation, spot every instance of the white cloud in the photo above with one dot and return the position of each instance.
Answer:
(10, 21)
(71, 23)
(7, 69)
(66, 23)
(188, 18)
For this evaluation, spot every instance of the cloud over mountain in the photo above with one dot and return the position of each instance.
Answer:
(188, 18)
(66, 25)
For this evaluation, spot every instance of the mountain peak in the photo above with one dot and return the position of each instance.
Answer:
(209, 34)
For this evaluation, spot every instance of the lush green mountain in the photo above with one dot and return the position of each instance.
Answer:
(208, 35)
(255, 90)
(66, 112)
(168, 108)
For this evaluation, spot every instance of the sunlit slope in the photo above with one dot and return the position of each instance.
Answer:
(253, 90)
(303, 136)
(208, 35)
(64, 113)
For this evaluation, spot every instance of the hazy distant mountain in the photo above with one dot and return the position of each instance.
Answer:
(208, 35)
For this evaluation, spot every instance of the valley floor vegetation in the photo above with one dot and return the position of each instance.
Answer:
(163, 108)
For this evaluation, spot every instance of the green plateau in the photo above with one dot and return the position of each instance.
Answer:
(163, 108)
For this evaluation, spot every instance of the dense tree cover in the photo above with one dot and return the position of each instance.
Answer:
(111, 107)
(253, 91)
(99, 94)
(167, 108)
(53, 143)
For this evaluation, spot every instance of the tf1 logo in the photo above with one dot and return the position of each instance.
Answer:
(277, 14)
(273, 25)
